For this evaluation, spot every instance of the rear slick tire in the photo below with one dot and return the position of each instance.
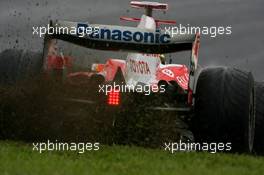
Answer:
(224, 109)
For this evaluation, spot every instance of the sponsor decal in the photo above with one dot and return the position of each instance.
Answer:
(182, 80)
(125, 35)
(168, 72)
(140, 67)
(151, 55)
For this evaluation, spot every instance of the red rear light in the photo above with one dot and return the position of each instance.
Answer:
(113, 97)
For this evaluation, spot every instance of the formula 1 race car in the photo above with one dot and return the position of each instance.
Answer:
(220, 101)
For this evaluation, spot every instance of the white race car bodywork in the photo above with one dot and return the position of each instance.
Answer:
(144, 43)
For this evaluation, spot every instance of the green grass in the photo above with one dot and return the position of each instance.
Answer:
(19, 159)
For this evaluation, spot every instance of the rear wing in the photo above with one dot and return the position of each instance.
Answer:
(120, 38)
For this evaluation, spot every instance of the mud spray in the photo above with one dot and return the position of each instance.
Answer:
(33, 108)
